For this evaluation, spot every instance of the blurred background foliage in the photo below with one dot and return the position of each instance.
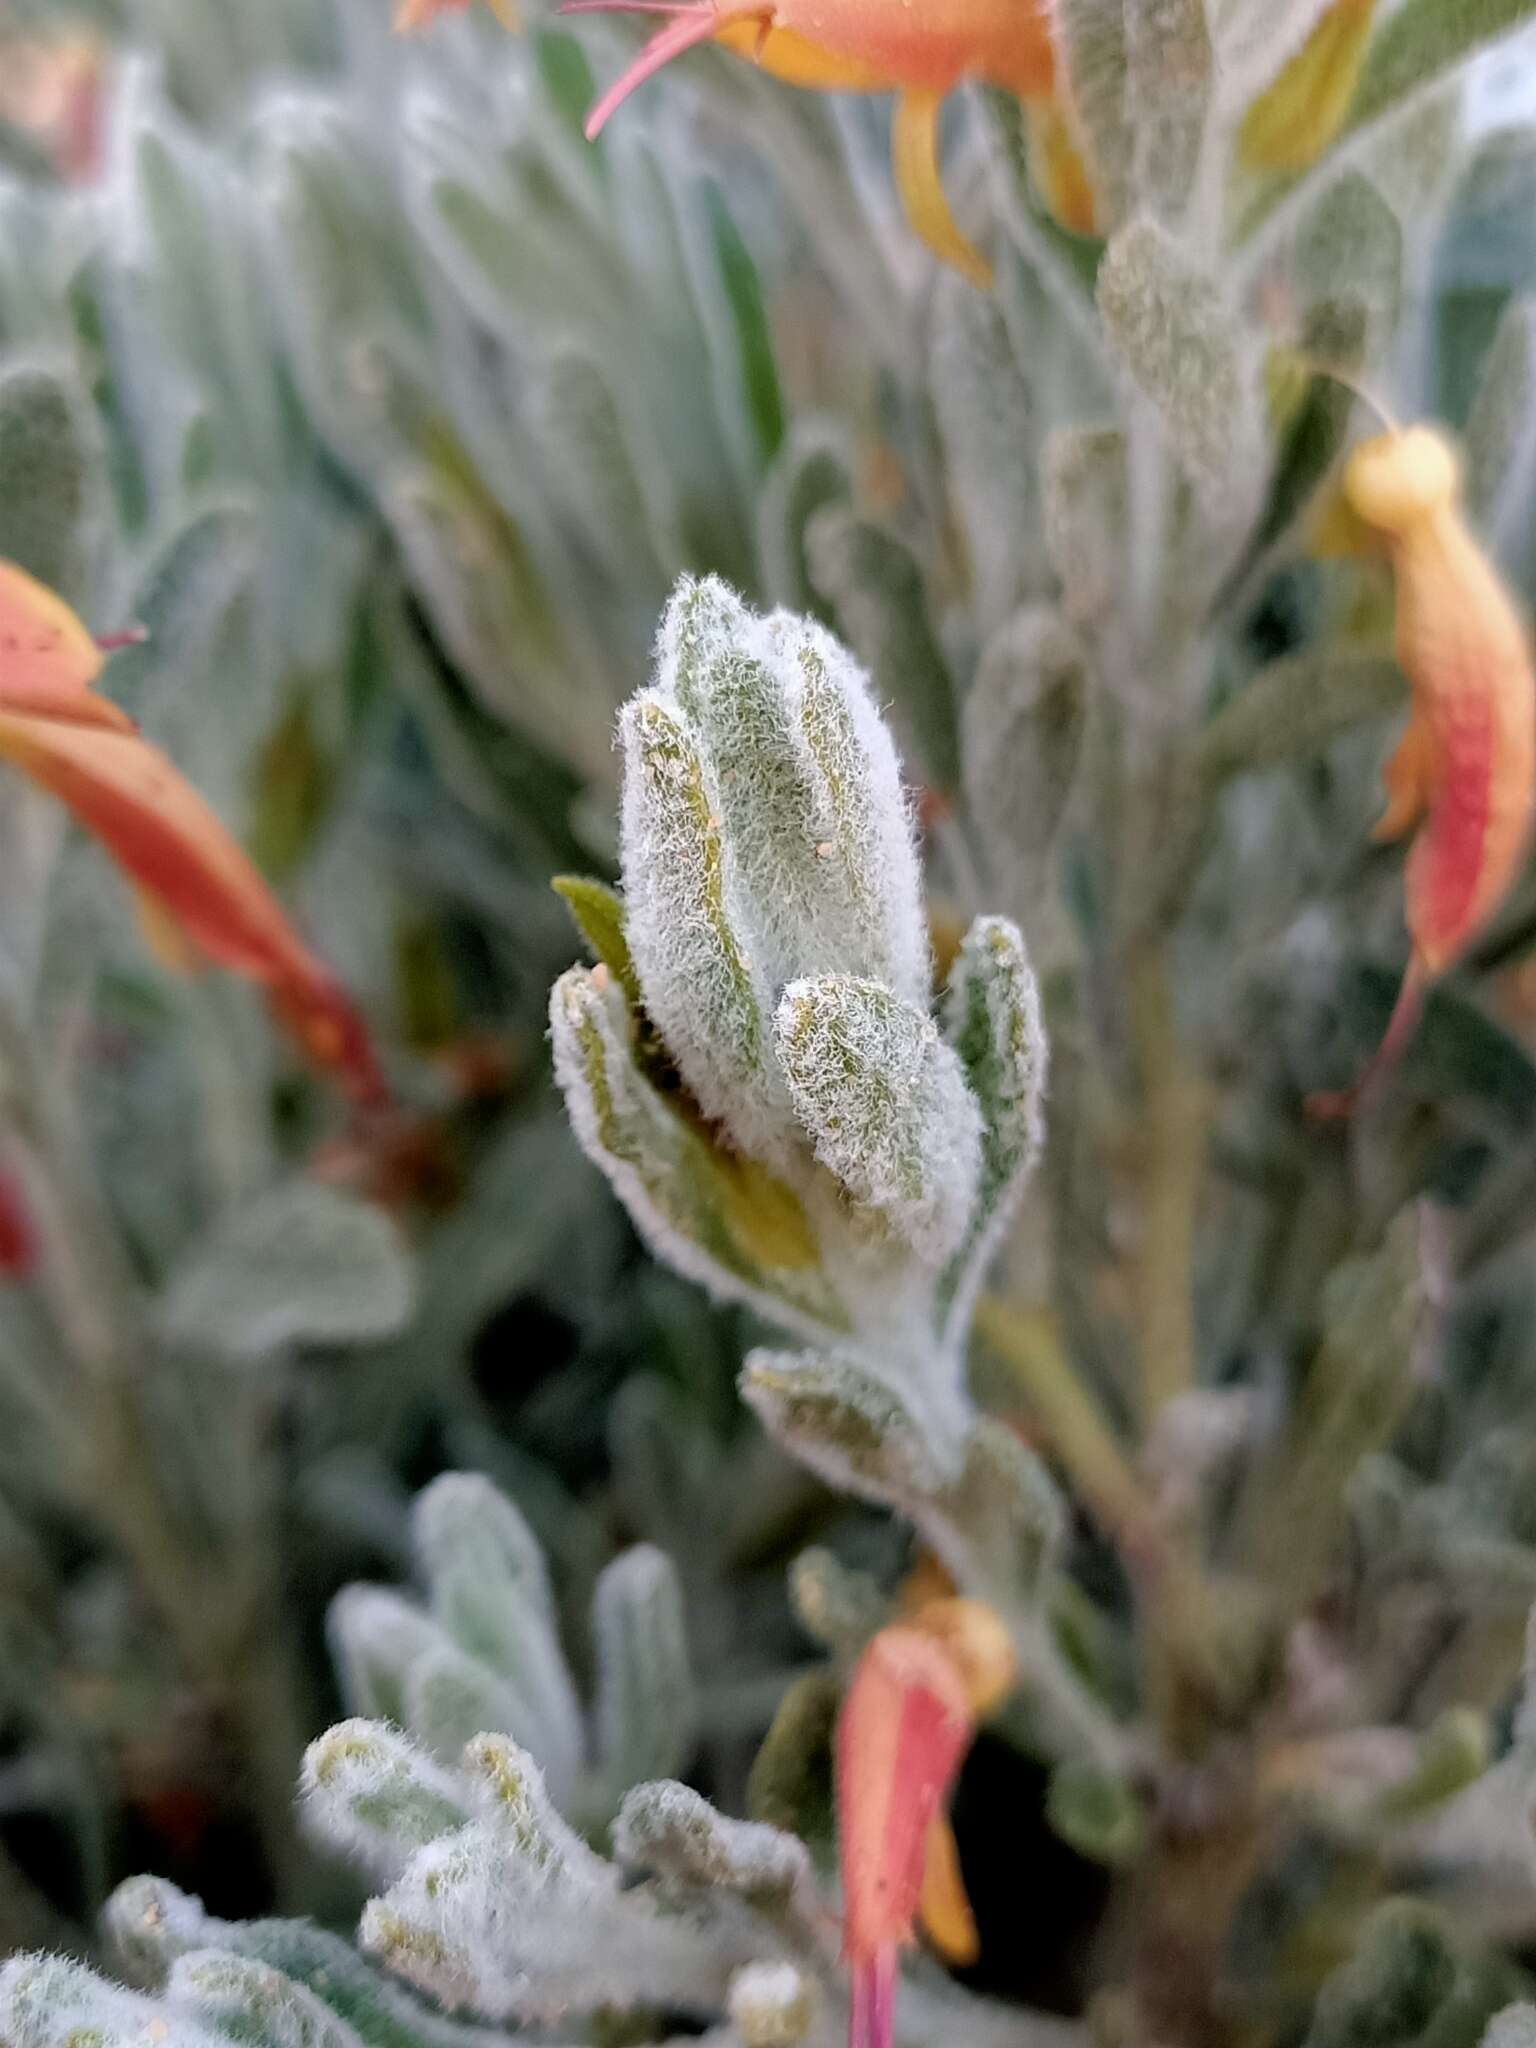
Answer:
(392, 410)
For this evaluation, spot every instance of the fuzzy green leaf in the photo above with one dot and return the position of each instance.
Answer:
(252, 2005)
(1297, 705)
(1501, 429)
(302, 1264)
(884, 1103)
(598, 914)
(1023, 732)
(647, 1709)
(1182, 348)
(1422, 41)
(875, 586)
(1086, 510)
(370, 1791)
(51, 499)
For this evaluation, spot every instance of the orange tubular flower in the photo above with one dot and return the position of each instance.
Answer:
(194, 882)
(921, 52)
(907, 1722)
(1464, 770)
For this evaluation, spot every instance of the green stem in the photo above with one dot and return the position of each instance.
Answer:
(1073, 1425)
(1173, 1147)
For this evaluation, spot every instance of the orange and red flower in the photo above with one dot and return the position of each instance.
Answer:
(907, 1722)
(1464, 770)
(192, 877)
(919, 52)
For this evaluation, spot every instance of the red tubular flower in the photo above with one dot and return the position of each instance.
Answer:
(903, 1733)
(191, 875)
(921, 52)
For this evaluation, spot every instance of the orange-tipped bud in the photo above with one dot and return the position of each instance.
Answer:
(977, 1645)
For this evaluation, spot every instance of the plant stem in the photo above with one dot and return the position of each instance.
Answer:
(1173, 1146)
(1075, 1429)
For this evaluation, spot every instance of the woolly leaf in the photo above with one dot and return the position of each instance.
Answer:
(185, 602)
(1407, 1964)
(1501, 429)
(1298, 114)
(875, 586)
(151, 1924)
(994, 1022)
(450, 1697)
(371, 1792)
(811, 814)
(791, 1782)
(488, 1587)
(719, 1219)
(833, 1415)
(1421, 42)
(1349, 248)
(1180, 346)
(884, 1104)
(647, 1711)
(471, 562)
(1514, 2027)
(701, 986)
(1168, 83)
(1023, 733)
(301, 1264)
(598, 914)
(998, 1523)
(670, 1831)
(1092, 38)
(376, 1638)
(250, 2003)
(597, 480)
(986, 424)
(514, 1916)
(51, 2002)
(774, 2005)
(1295, 706)
(1086, 509)
(814, 469)
(52, 486)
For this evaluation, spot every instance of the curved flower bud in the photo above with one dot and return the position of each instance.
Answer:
(1464, 770)
(195, 882)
